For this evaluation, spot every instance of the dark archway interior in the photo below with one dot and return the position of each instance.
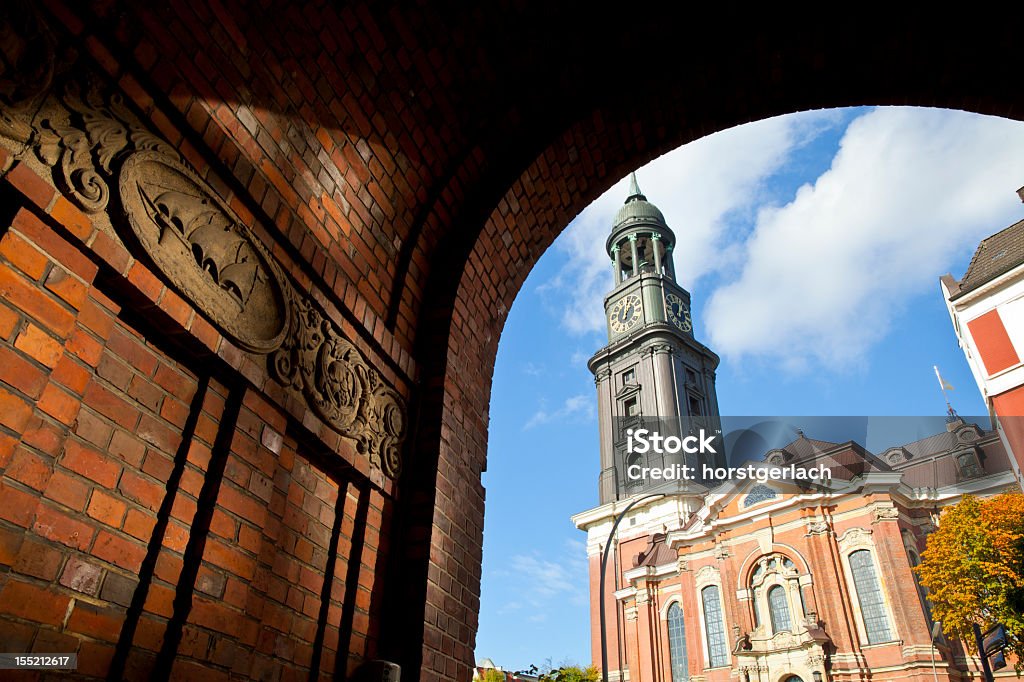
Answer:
(409, 165)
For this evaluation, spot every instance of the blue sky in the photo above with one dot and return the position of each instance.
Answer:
(812, 245)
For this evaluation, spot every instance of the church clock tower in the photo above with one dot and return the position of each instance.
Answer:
(652, 366)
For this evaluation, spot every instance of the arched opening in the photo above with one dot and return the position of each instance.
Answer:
(612, 269)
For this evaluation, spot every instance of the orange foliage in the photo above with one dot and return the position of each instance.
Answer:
(973, 568)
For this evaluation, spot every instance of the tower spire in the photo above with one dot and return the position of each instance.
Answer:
(634, 189)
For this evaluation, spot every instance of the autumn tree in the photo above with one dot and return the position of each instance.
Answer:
(493, 675)
(572, 673)
(973, 568)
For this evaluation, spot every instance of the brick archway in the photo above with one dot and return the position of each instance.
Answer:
(404, 168)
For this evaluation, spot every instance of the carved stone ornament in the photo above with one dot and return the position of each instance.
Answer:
(341, 387)
(85, 136)
(198, 243)
(706, 575)
(886, 514)
(817, 527)
(855, 538)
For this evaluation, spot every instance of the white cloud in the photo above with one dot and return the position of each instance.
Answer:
(823, 276)
(579, 357)
(577, 408)
(533, 369)
(698, 187)
(544, 582)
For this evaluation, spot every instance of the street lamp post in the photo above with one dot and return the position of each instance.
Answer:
(980, 640)
(604, 569)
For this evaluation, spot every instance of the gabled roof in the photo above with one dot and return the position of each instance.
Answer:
(996, 255)
(846, 460)
(808, 447)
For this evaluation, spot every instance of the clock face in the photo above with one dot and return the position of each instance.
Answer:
(624, 314)
(678, 313)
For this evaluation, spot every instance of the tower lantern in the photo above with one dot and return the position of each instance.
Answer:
(640, 242)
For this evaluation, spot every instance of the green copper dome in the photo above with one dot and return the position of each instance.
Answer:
(637, 209)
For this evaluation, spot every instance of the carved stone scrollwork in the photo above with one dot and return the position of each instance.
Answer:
(341, 387)
(707, 575)
(85, 139)
(886, 514)
(855, 538)
(818, 527)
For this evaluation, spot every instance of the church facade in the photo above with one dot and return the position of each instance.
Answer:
(759, 581)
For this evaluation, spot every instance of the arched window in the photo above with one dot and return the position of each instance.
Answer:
(869, 594)
(714, 627)
(759, 493)
(677, 644)
(775, 585)
(778, 609)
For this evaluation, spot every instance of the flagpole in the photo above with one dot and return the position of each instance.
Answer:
(944, 386)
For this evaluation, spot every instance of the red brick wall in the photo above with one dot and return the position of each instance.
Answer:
(149, 514)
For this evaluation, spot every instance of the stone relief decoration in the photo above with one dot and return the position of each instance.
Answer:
(91, 140)
(706, 575)
(886, 514)
(340, 386)
(104, 160)
(783, 639)
(818, 527)
(855, 538)
(201, 246)
(815, 659)
(682, 565)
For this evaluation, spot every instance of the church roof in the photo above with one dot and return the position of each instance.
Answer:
(637, 209)
(657, 553)
(932, 445)
(925, 461)
(995, 256)
(846, 460)
(807, 447)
